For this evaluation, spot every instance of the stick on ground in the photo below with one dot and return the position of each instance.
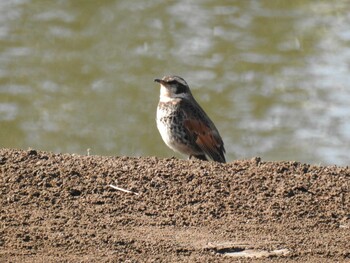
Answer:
(123, 190)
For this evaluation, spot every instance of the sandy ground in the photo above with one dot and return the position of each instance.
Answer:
(60, 208)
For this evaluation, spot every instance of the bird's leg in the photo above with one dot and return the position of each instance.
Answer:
(198, 157)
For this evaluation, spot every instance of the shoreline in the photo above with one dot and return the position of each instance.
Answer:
(61, 207)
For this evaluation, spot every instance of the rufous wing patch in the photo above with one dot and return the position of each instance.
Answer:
(205, 137)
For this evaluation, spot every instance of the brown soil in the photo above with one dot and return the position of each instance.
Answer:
(60, 208)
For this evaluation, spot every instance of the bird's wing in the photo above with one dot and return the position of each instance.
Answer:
(207, 138)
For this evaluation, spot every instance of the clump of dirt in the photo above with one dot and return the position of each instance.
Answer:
(60, 207)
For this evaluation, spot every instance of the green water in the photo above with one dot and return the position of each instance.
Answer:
(272, 75)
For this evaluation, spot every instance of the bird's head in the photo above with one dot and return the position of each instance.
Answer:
(173, 87)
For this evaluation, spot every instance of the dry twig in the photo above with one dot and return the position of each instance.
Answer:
(122, 189)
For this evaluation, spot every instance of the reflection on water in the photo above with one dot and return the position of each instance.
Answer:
(273, 75)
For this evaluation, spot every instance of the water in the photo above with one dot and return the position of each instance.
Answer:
(272, 75)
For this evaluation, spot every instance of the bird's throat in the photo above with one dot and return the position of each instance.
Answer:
(165, 95)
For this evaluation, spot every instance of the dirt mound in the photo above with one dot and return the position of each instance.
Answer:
(60, 207)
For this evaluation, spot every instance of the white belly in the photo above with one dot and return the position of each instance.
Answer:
(164, 132)
(169, 140)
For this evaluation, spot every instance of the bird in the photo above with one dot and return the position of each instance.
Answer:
(183, 124)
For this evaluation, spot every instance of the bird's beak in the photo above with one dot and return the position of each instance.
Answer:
(159, 81)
